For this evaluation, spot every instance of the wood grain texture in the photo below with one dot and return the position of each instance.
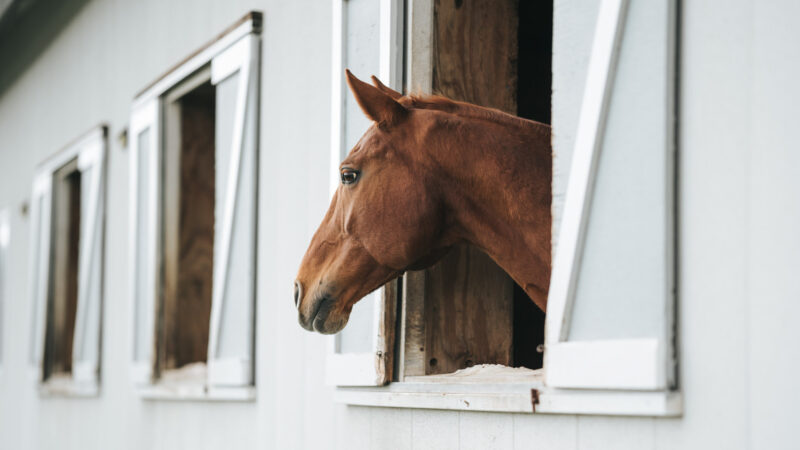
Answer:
(187, 307)
(412, 362)
(384, 361)
(475, 52)
(468, 298)
(469, 315)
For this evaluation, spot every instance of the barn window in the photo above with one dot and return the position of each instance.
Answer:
(430, 335)
(67, 240)
(194, 160)
(614, 353)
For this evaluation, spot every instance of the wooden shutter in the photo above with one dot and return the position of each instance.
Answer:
(145, 163)
(372, 323)
(231, 341)
(611, 302)
(87, 338)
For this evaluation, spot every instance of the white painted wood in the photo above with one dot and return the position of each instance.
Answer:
(242, 58)
(360, 368)
(435, 429)
(198, 393)
(626, 364)
(600, 433)
(88, 320)
(5, 239)
(505, 396)
(773, 242)
(68, 387)
(485, 431)
(542, 431)
(194, 63)
(607, 364)
(145, 118)
(608, 32)
(420, 46)
(610, 402)
(391, 429)
(89, 150)
(339, 28)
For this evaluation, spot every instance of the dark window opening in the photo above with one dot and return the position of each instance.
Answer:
(534, 89)
(62, 295)
(187, 227)
(495, 53)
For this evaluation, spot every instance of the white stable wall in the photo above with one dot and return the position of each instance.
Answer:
(89, 74)
(738, 246)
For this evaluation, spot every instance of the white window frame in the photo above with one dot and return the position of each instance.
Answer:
(5, 240)
(367, 368)
(90, 151)
(237, 50)
(637, 373)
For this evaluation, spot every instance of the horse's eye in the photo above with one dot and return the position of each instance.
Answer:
(349, 176)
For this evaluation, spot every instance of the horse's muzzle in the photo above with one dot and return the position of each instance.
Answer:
(318, 317)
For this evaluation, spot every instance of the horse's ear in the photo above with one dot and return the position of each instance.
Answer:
(377, 105)
(385, 89)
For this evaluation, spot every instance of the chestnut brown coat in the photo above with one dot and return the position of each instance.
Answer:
(428, 174)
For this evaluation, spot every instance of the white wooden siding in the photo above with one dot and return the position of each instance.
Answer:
(738, 240)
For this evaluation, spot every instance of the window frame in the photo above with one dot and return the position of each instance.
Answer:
(5, 241)
(650, 389)
(238, 49)
(373, 368)
(90, 151)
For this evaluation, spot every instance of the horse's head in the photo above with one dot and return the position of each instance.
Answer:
(385, 216)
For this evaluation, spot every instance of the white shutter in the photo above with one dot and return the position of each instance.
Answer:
(361, 354)
(610, 308)
(145, 163)
(87, 338)
(5, 238)
(41, 203)
(234, 72)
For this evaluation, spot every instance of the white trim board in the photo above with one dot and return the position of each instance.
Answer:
(513, 398)
(250, 24)
(361, 369)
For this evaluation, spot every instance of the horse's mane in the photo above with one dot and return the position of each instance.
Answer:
(439, 103)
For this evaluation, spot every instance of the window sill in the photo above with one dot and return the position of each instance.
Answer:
(480, 388)
(189, 384)
(198, 393)
(66, 386)
(511, 391)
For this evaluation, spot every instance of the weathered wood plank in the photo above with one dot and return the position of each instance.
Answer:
(189, 247)
(469, 312)
(468, 298)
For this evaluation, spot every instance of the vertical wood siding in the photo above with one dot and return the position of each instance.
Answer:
(738, 236)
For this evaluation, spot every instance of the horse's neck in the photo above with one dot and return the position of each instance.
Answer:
(503, 203)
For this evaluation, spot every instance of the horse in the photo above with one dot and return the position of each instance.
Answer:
(428, 174)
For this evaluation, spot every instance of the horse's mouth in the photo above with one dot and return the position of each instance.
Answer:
(319, 319)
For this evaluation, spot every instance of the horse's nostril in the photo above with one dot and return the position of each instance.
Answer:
(298, 293)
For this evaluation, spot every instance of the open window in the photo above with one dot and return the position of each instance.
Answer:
(194, 150)
(428, 334)
(67, 266)
(624, 365)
